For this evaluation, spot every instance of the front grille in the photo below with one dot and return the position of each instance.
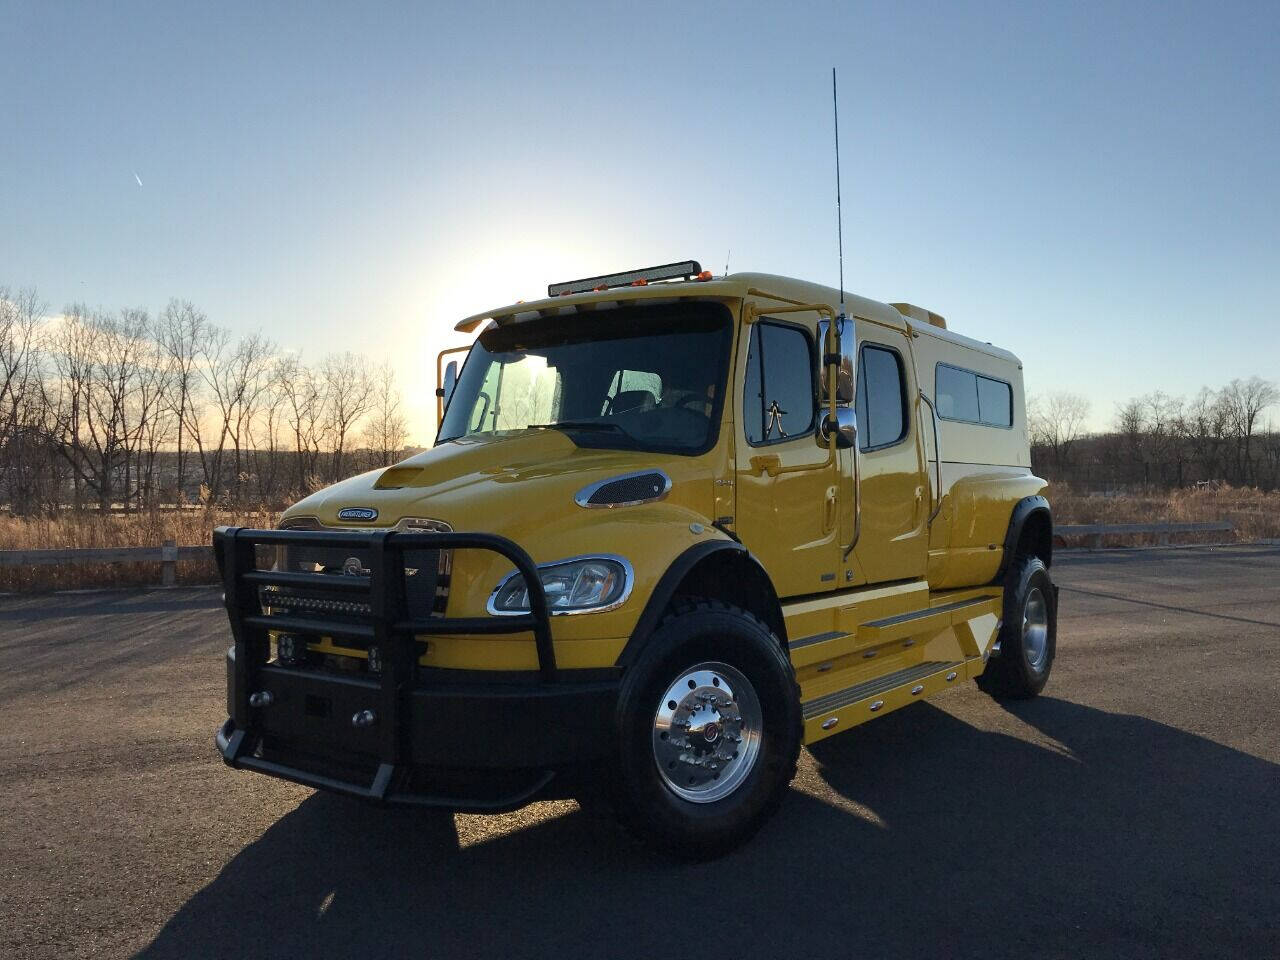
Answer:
(426, 574)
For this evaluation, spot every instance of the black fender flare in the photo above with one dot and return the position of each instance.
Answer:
(666, 588)
(1023, 510)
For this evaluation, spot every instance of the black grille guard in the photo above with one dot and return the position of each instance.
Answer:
(388, 623)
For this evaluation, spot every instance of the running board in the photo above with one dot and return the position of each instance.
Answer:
(869, 688)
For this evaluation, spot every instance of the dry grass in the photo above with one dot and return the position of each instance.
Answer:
(90, 530)
(1253, 514)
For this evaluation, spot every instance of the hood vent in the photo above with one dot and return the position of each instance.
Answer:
(626, 490)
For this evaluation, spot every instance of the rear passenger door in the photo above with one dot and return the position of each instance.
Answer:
(893, 543)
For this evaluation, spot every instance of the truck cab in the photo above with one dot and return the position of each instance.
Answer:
(673, 526)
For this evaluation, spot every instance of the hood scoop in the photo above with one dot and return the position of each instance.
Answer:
(393, 478)
(625, 490)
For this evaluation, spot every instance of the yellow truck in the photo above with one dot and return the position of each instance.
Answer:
(673, 527)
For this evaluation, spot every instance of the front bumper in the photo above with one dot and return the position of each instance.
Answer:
(464, 740)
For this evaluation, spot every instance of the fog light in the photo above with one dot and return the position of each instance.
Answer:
(289, 648)
(375, 660)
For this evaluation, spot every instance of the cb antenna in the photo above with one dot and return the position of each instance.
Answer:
(835, 111)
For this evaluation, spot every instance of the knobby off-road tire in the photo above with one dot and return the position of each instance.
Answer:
(708, 731)
(1028, 636)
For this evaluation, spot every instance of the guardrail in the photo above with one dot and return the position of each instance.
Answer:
(1096, 531)
(167, 555)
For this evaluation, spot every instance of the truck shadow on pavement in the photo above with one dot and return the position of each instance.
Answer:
(1102, 834)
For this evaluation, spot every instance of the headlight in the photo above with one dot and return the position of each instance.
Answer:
(578, 585)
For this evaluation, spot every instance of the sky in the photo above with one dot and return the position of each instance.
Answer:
(1091, 185)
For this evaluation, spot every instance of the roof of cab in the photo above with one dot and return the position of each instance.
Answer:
(735, 286)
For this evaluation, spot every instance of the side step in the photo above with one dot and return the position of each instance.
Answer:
(863, 701)
(869, 688)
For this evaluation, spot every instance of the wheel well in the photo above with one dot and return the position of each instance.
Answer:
(733, 576)
(1036, 537)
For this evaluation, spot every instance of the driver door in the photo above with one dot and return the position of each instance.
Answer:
(786, 512)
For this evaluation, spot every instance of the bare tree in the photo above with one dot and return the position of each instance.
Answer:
(387, 429)
(155, 420)
(348, 389)
(1161, 415)
(235, 375)
(20, 406)
(1245, 400)
(183, 334)
(96, 357)
(267, 429)
(1056, 422)
(1204, 429)
(304, 415)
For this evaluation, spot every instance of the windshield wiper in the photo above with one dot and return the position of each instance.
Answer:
(602, 425)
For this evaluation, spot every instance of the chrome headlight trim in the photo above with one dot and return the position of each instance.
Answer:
(628, 582)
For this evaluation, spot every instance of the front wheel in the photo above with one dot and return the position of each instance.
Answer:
(1028, 635)
(708, 731)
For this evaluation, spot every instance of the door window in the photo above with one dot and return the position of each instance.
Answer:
(778, 399)
(881, 405)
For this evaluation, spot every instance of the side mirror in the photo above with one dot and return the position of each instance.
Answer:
(846, 428)
(844, 372)
(446, 379)
(450, 380)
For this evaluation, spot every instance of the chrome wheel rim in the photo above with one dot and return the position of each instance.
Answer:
(706, 732)
(1035, 630)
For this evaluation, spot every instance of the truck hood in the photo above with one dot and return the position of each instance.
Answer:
(495, 484)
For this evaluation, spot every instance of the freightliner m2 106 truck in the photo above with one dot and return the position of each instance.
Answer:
(673, 527)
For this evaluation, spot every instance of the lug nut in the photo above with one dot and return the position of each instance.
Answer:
(261, 698)
(364, 718)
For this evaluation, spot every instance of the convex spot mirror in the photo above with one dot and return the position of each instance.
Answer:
(844, 372)
(846, 428)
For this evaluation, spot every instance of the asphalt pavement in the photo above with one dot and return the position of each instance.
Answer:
(1131, 811)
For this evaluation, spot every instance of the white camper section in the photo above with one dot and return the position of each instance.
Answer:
(978, 393)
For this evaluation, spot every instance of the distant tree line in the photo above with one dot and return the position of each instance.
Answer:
(1216, 436)
(123, 409)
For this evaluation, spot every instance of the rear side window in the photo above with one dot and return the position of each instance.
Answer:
(778, 397)
(995, 402)
(973, 398)
(881, 404)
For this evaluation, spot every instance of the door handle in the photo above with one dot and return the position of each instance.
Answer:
(766, 463)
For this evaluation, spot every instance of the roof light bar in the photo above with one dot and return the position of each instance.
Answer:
(685, 270)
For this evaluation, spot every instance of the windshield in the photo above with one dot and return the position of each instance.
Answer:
(638, 377)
